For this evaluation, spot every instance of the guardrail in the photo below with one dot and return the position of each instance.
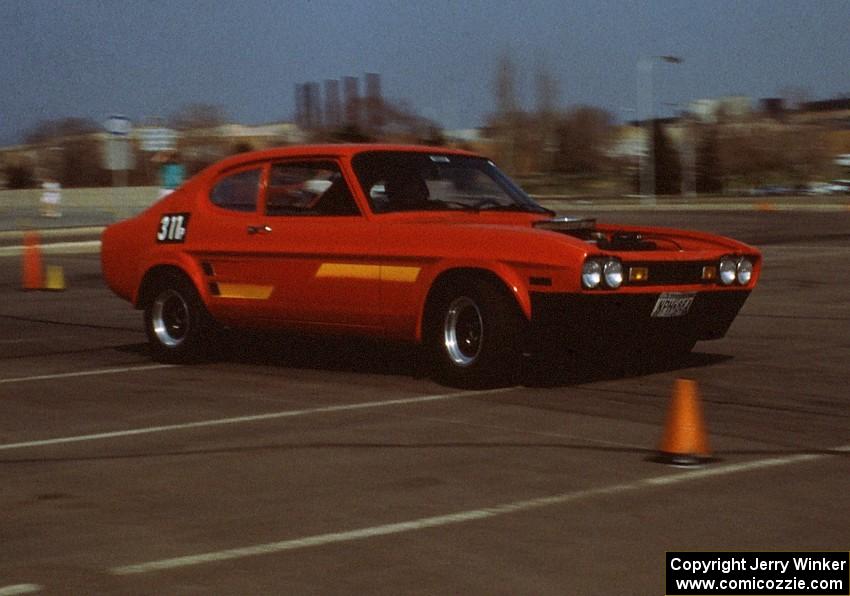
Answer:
(22, 209)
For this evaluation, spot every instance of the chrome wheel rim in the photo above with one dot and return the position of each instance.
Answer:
(170, 318)
(463, 331)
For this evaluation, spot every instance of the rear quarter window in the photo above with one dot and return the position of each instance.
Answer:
(237, 192)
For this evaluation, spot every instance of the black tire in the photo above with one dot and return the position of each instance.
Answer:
(180, 330)
(473, 334)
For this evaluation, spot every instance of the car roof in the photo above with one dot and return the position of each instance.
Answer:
(330, 150)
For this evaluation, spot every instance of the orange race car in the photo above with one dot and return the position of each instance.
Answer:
(421, 244)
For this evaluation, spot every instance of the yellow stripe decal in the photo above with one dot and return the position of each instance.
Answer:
(245, 291)
(377, 272)
(403, 274)
(349, 270)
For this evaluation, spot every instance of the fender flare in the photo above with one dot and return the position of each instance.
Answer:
(505, 275)
(161, 264)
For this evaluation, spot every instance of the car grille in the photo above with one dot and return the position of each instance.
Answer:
(665, 273)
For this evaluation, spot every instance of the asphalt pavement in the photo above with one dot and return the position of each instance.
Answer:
(304, 466)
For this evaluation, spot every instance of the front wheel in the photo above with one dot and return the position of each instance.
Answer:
(473, 333)
(177, 324)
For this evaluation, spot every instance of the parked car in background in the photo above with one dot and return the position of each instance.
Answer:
(819, 188)
(770, 191)
(425, 245)
(841, 186)
(829, 188)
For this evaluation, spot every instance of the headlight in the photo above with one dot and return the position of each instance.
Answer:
(591, 274)
(613, 272)
(598, 272)
(728, 270)
(745, 271)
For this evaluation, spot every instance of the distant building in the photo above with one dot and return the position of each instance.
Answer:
(711, 110)
(374, 102)
(833, 116)
(472, 139)
(630, 142)
(260, 136)
(333, 108)
(351, 101)
(466, 135)
(202, 145)
(833, 113)
(772, 107)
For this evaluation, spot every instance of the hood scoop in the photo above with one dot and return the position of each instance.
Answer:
(585, 229)
(625, 241)
(577, 227)
(567, 224)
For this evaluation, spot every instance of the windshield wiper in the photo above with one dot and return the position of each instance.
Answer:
(483, 205)
(489, 206)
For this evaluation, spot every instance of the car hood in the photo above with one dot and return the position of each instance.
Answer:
(532, 233)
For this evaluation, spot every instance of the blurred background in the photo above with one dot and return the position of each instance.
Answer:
(587, 99)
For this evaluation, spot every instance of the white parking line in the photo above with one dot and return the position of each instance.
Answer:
(20, 589)
(86, 373)
(462, 516)
(244, 419)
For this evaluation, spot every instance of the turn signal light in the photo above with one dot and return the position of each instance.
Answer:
(709, 273)
(638, 274)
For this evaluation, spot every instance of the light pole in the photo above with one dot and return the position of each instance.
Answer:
(689, 160)
(646, 169)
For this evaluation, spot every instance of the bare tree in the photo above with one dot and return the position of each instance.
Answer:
(200, 143)
(505, 87)
(708, 175)
(505, 123)
(546, 99)
(50, 130)
(391, 121)
(195, 116)
(585, 135)
(807, 155)
(68, 152)
(794, 97)
(758, 153)
(546, 93)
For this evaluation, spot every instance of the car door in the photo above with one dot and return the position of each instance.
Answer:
(317, 253)
(225, 244)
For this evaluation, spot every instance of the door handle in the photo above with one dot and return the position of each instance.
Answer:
(258, 229)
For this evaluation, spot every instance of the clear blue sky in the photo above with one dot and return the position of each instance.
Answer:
(146, 58)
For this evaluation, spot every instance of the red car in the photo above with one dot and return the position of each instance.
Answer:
(427, 245)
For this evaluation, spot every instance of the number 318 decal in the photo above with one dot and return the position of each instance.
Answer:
(173, 228)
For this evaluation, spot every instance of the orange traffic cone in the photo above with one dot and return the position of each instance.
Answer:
(33, 278)
(685, 440)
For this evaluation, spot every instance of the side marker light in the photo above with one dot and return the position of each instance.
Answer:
(638, 274)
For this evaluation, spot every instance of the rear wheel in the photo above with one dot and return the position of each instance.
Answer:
(178, 326)
(472, 333)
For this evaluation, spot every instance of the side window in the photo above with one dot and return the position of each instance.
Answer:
(308, 188)
(237, 192)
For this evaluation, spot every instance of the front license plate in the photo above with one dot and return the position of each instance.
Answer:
(673, 304)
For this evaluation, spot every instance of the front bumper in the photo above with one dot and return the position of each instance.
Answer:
(613, 320)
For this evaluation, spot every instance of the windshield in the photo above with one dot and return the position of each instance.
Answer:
(408, 181)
